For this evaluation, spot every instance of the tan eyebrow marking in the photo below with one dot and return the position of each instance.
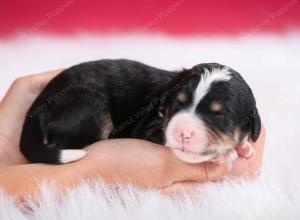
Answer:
(216, 106)
(182, 97)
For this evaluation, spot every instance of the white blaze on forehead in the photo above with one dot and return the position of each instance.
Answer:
(187, 121)
(207, 78)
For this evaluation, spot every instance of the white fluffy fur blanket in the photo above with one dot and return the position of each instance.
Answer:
(270, 65)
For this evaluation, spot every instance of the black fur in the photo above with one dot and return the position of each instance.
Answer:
(72, 110)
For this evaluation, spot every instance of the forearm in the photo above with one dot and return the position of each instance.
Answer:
(143, 164)
(23, 180)
(127, 161)
(9, 155)
(9, 151)
(109, 160)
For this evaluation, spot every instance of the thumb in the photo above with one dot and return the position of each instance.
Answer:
(206, 171)
(195, 174)
(214, 171)
(22, 93)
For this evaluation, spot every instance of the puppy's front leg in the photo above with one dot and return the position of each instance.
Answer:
(245, 149)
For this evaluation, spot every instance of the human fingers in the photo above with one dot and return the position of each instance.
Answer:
(250, 167)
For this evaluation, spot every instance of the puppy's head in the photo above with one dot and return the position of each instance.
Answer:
(210, 113)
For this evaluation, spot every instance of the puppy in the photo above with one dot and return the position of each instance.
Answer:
(202, 113)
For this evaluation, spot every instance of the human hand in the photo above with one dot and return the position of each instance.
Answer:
(146, 164)
(246, 166)
(142, 164)
(13, 109)
(243, 167)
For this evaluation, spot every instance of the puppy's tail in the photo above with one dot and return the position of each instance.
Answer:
(35, 150)
(52, 155)
(67, 156)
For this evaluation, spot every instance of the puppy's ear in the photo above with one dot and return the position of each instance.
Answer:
(255, 125)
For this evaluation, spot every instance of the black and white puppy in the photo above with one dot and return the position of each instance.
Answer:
(202, 113)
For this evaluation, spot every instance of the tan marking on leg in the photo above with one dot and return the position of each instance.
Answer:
(107, 127)
(182, 97)
(45, 141)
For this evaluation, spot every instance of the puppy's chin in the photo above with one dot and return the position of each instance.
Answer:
(189, 157)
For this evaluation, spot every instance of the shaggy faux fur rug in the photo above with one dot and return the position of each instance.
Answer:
(269, 64)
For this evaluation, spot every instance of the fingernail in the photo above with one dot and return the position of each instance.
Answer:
(249, 154)
(244, 146)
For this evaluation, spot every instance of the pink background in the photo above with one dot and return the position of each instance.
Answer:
(179, 17)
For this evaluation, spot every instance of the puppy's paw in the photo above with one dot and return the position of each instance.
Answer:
(245, 149)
